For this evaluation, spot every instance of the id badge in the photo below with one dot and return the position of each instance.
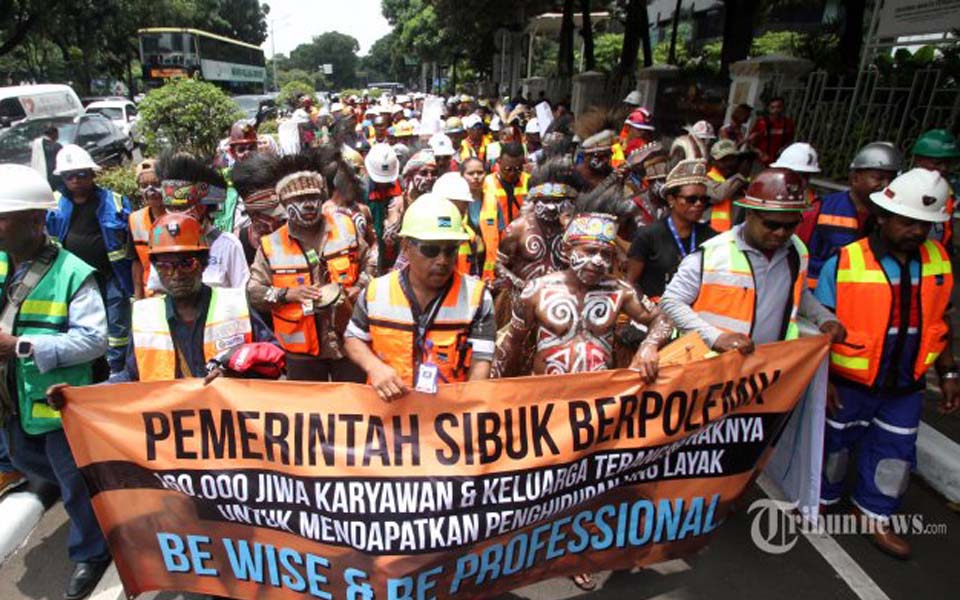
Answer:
(427, 378)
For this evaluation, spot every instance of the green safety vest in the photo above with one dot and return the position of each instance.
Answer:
(45, 311)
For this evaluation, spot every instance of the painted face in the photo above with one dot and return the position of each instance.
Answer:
(149, 186)
(304, 211)
(548, 209)
(424, 179)
(600, 162)
(591, 262)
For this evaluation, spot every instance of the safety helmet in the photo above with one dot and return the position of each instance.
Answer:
(74, 158)
(882, 156)
(177, 232)
(432, 218)
(936, 143)
(471, 121)
(22, 188)
(633, 98)
(453, 125)
(703, 130)
(495, 124)
(919, 194)
(452, 186)
(243, 131)
(723, 148)
(382, 163)
(532, 127)
(775, 189)
(640, 119)
(441, 145)
(799, 157)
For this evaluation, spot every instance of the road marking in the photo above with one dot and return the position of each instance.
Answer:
(669, 567)
(848, 569)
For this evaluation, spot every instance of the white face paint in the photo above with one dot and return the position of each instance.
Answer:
(304, 212)
(547, 211)
(591, 262)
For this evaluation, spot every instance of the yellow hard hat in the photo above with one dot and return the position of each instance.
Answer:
(433, 218)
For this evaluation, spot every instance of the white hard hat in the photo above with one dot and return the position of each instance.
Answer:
(919, 194)
(495, 124)
(73, 158)
(532, 126)
(382, 163)
(441, 145)
(471, 121)
(452, 186)
(633, 98)
(22, 188)
(703, 130)
(799, 157)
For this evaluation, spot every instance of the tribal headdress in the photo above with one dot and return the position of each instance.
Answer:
(187, 181)
(586, 228)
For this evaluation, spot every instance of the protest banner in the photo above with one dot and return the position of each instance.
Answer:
(275, 490)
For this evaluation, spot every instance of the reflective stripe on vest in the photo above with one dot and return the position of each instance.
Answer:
(727, 298)
(864, 305)
(341, 250)
(493, 187)
(227, 325)
(289, 267)
(140, 224)
(490, 233)
(392, 326)
(721, 212)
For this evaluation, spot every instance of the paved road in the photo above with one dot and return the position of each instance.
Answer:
(731, 567)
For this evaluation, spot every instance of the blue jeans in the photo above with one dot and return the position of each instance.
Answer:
(5, 465)
(118, 324)
(48, 457)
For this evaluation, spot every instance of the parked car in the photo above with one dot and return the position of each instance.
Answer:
(122, 112)
(93, 132)
(88, 100)
(22, 102)
(257, 107)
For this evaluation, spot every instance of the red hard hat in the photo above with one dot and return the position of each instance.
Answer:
(776, 189)
(177, 232)
(640, 119)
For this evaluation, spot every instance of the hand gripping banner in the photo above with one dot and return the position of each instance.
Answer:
(276, 490)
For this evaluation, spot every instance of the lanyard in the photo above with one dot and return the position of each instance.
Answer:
(676, 237)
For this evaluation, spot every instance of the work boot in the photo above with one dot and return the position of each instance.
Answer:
(9, 480)
(86, 576)
(883, 537)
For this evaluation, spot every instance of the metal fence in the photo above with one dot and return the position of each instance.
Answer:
(839, 116)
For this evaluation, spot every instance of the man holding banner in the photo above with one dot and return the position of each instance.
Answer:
(52, 327)
(890, 290)
(424, 323)
(747, 286)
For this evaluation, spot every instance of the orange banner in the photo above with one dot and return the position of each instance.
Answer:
(274, 490)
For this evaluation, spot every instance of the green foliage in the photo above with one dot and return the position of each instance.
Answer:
(122, 180)
(334, 48)
(373, 93)
(290, 93)
(384, 61)
(267, 127)
(187, 115)
(607, 48)
(315, 79)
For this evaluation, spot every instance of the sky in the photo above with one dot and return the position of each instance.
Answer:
(296, 22)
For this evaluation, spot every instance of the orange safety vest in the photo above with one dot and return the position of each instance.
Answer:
(721, 213)
(727, 298)
(467, 150)
(465, 254)
(227, 325)
(392, 327)
(342, 249)
(864, 305)
(490, 234)
(493, 187)
(291, 266)
(140, 226)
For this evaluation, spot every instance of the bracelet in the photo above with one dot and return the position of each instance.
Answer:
(954, 374)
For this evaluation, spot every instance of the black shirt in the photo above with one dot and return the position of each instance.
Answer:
(656, 247)
(85, 239)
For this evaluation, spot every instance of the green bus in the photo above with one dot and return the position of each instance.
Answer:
(171, 52)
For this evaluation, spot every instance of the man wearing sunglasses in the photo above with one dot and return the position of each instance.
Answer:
(891, 290)
(93, 223)
(732, 309)
(141, 222)
(508, 185)
(425, 323)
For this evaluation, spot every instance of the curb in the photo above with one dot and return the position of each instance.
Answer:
(109, 587)
(21, 511)
(938, 461)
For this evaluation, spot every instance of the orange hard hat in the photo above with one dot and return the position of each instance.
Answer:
(177, 232)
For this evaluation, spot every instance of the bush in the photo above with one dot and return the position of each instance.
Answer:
(187, 115)
(122, 180)
(291, 93)
(269, 126)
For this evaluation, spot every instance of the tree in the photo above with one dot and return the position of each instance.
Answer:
(187, 115)
(851, 37)
(384, 61)
(636, 26)
(738, 20)
(17, 19)
(565, 52)
(334, 48)
(586, 32)
(291, 93)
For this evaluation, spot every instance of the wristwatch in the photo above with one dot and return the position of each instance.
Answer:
(24, 349)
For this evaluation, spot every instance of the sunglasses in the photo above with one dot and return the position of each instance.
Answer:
(78, 175)
(187, 264)
(510, 169)
(434, 250)
(705, 200)
(244, 147)
(778, 225)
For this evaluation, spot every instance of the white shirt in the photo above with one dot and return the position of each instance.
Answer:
(227, 267)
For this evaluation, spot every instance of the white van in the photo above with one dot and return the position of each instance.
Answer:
(35, 101)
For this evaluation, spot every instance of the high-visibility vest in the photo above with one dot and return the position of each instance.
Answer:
(864, 307)
(493, 187)
(616, 158)
(341, 251)
(837, 226)
(728, 297)
(227, 325)
(467, 150)
(44, 312)
(140, 225)
(392, 327)
(465, 253)
(490, 234)
(721, 213)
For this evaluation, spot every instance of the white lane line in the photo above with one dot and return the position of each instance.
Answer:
(852, 573)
